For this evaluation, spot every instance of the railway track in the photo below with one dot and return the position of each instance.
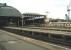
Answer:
(61, 42)
(48, 28)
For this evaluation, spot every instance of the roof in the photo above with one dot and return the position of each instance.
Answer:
(32, 14)
(9, 11)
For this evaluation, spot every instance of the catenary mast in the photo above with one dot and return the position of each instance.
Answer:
(68, 12)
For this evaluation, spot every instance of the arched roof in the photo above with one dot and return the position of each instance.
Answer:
(9, 11)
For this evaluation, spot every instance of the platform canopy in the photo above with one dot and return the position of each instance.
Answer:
(9, 11)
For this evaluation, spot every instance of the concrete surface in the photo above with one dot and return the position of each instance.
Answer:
(47, 45)
(8, 42)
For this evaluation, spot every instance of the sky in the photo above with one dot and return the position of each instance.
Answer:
(55, 8)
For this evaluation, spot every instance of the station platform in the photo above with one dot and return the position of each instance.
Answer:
(11, 41)
(42, 30)
(8, 42)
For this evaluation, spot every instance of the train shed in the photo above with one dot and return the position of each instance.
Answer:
(9, 15)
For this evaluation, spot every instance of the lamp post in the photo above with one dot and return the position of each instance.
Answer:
(33, 20)
(46, 18)
(18, 22)
(22, 21)
(22, 24)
